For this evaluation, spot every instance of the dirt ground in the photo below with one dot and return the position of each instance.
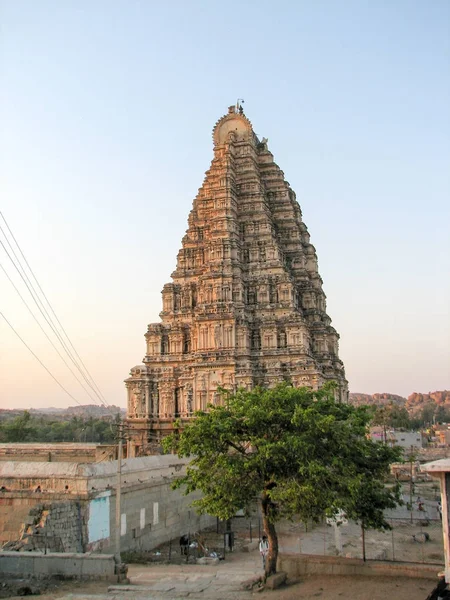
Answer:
(322, 588)
(60, 589)
(398, 544)
(354, 588)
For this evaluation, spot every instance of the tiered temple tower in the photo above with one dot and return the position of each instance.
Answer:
(245, 306)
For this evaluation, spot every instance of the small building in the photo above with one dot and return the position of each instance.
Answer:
(408, 439)
(404, 439)
(440, 469)
(443, 436)
(405, 471)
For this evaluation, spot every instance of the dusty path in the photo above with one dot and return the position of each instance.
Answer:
(221, 582)
(355, 588)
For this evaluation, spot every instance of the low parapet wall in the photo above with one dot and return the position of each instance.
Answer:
(63, 565)
(57, 452)
(301, 565)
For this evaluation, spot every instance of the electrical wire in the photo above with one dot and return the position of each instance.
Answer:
(34, 294)
(44, 295)
(46, 335)
(45, 314)
(40, 361)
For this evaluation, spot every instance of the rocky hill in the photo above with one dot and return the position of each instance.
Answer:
(417, 401)
(376, 399)
(414, 403)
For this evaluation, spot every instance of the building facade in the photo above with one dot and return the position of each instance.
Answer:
(71, 507)
(245, 305)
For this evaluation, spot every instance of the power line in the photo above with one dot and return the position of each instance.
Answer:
(45, 333)
(41, 310)
(40, 361)
(98, 392)
(87, 377)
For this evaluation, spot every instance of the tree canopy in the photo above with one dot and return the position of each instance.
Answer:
(28, 428)
(297, 451)
(392, 415)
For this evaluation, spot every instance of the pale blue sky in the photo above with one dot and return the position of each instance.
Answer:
(106, 113)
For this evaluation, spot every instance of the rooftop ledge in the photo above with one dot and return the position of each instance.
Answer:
(437, 466)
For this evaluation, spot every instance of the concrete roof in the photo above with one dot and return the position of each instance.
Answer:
(437, 466)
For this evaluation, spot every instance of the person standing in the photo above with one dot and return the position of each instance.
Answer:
(264, 550)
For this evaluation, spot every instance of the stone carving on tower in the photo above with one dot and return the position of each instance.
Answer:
(245, 306)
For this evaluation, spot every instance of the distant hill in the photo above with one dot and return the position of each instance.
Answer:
(413, 404)
(417, 401)
(63, 414)
(93, 410)
(376, 399)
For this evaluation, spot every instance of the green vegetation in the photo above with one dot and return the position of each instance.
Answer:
(27, 428)
(298, 452)
(391, 415)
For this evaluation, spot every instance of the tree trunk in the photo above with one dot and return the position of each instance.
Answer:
(269, 529)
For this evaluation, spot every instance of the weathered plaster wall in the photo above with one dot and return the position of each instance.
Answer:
(13, 515)
(83, 515)
(152, 515)
(99, 517)
(57, 452)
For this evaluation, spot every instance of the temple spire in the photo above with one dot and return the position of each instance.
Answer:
(245, 304)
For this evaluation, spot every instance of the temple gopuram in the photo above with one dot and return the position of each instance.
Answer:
(245, 305)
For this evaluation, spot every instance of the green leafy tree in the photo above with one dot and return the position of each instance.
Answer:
(18, 429)
(298, 451)
(442, 414)
(27, 428)
(391, 415)
(427, 414)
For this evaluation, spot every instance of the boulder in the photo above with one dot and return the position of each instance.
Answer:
(275, 581)
(249, 584)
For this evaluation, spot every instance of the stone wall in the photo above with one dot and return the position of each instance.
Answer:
(429, 454)
(64, 566)
(65, 526)
(58, 452)
(82, 517)
(13, 515)
(302, 565)
(39, 521)
(48, 478)
(152, 515)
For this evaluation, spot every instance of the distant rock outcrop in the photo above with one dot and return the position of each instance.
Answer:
(417, 401)
(376, 399)
(414, 403)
